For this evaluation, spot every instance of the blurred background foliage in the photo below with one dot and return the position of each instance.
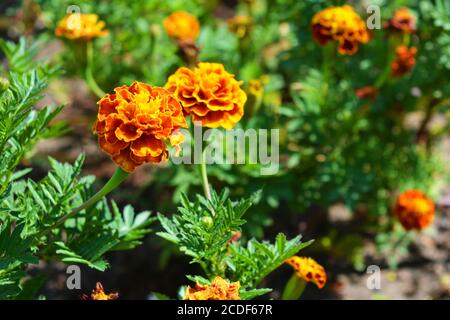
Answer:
(335, 148)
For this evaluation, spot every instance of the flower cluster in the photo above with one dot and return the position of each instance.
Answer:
(83, 26)
(341, 24)
(134, 123)
(404, 61)
(402, 21)
(220, 289)
(209, 94)
(99, 294)
(308, 269)
(182, 26)
(414, 210)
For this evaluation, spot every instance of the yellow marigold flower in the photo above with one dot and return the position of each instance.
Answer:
(405, 60)
(414, 210)
(240, 25)
(99, 294)
(403, 21)
(83, 26)
(183, 26)
(134, 123)
(308, 269)
(341, 24)
(256, 88)
(220, 289)
(209, 94)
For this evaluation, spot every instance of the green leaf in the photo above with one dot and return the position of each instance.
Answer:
(251, 294)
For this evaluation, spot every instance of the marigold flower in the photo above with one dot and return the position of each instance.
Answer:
(220, 289)
(309, 270)
(240, 25)
(368, 92)
(99, 294)
(181, 25)
(134, 123)
(402, 21)
(405, 60)
(414, 210)
(341, 24)
(255, 88)
(209, 94)
(85, 26)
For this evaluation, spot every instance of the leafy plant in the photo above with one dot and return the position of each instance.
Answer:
(33, 224)
(208, 231)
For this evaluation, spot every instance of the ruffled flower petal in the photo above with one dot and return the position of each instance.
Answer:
(340, 24)
(309, 270)
(135, 122)
(209, 94)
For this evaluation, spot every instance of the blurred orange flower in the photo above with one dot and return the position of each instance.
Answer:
(308, 269)
(134, 123)
(220, 289)
(83, 26)
(403, 21)
(367, 92)
(405, 60)
(341, 24)
(99, 294)
(414, 210)
(183, 26)
(209, 94)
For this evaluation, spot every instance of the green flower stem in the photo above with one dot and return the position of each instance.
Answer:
(386, 74)
(329, 52)
(88, 72)
(294, 288)
(204, 175)
(118, 177)
(202, 169)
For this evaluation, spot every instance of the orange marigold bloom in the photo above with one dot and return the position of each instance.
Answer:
(341, 24)
(220, 289)
(99, 294)
(402, 21)
(81, 26)
(209, 94)
(405, 60)
(181, 25)
(414, 210)
(308, 269)
(134, 123)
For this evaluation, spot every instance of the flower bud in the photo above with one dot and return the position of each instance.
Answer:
(207, 221)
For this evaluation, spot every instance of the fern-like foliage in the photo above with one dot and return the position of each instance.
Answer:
(203, 228)
(30, 211)
(253, 262)
(206, 231)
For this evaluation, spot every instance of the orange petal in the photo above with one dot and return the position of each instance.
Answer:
(147, 145)
(128, 131)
